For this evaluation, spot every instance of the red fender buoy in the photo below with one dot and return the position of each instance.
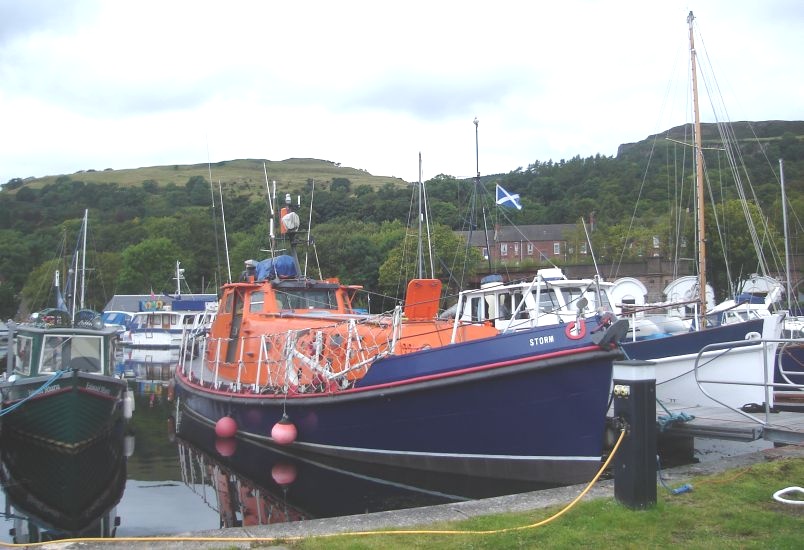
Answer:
(226, 446)
(571, 328)
(284, 473)
(226, 427)
(284, 432)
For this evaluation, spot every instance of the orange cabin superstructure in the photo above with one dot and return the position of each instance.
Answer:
(300, 332)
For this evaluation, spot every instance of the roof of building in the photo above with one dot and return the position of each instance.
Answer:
(521, 233)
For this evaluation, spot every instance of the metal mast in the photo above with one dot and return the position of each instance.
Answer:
(789, 289)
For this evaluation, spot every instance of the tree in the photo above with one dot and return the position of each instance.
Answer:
(149, 267)
(733, 257)
(401, 263)
(8, 301)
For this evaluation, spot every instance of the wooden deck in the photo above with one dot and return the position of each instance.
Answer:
(723, 423)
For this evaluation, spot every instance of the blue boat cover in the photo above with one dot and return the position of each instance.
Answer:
(281, 267)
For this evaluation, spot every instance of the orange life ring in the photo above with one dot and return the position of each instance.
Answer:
(571, 327)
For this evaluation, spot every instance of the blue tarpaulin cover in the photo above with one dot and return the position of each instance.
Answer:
(281, 267)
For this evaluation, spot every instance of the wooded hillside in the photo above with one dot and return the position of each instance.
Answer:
(143, 220)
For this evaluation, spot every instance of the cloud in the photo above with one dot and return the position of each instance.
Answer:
(122, 84)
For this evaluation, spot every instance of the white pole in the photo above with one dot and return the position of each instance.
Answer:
(786, 240)
(225, 239)
(84, 257)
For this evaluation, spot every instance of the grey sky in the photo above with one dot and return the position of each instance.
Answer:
(123, 84)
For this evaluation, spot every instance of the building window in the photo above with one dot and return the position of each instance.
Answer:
(503, 249)
(583, 248)
(530, 249)
(485, 253)
(655, 242)
(556, 248)
(516, 249)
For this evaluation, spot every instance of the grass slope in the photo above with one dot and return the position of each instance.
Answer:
(289, 174)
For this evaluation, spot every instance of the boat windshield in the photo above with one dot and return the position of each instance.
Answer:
(22, 354)
(61, 352)
(573, 294)
(307, 299)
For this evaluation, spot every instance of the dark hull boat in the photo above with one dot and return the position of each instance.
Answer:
(290, 361)
(250, 482)
(60, 386)
(418, 392)
(58, 494)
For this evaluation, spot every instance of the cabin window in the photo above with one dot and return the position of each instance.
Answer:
(310, 299)
(592, 296)
(522, 313)
(256, 301)
(572, 295)
(71, 352)
(476, 309)
(53, 350)
(227, 305)
(548, 301)
(504, 306)
(22, 354)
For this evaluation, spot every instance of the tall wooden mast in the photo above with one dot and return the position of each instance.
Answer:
(699, 183)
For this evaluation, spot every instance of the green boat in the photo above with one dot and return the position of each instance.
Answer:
(52, 493)
(60, 386)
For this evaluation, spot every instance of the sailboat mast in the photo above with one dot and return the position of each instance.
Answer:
(477, 189)
(786, 240)
(84, 257)
(699, 183)
(419, 250)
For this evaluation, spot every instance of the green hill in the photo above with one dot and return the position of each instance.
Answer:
(250, 173)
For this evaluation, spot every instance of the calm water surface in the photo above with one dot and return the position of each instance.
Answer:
(178, 480)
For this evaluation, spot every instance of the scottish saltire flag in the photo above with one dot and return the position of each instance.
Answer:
(504, 198)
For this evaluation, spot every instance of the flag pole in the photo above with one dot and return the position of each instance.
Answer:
(477, 191)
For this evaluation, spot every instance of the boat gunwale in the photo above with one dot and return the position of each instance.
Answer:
(456, 377)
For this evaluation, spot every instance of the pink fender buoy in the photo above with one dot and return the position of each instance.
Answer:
(226, 446)
(284, 432)
(283, 473)
(226, 427)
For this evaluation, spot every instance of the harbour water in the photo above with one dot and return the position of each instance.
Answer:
(185, 479)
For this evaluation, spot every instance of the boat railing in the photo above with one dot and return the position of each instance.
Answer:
(769, 347)
(295, 360)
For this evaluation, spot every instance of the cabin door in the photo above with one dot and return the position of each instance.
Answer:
(233, 349)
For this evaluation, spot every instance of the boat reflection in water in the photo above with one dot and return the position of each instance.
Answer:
(148, 364)
(53, 493)
(250, 483)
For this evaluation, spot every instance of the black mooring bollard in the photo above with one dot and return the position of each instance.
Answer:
(635, 405)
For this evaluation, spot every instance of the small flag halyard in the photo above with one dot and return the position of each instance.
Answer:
(504, 198)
